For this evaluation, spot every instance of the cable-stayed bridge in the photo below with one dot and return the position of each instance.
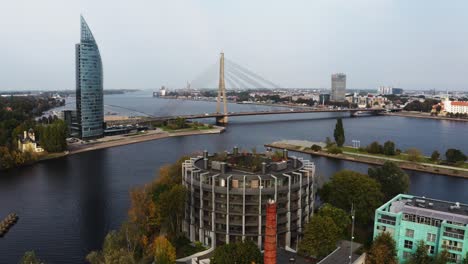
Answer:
(231, 74)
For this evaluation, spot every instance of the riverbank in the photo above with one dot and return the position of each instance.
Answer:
(121, 140)
(304, 147)
(425, 116)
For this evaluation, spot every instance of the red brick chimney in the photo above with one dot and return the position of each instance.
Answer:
(269, 255)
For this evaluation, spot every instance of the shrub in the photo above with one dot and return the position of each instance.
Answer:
(316, 147)
(389, 148)
(414, 154)
(334, 150)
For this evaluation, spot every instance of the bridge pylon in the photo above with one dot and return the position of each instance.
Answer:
(221, 94)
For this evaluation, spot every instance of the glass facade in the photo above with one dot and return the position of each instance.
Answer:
(89, 86)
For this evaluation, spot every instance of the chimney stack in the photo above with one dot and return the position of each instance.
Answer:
(205, 163)
(235, 151)
(269, 255)
(263, 167)
(285, 153)
(205, 154)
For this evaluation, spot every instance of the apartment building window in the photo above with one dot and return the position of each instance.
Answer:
(454, 257)
(409, 233)
(408, 244)
(430, 250)
(431, 237)
(406, 254)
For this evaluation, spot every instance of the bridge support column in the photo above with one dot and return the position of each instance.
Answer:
(222, 120)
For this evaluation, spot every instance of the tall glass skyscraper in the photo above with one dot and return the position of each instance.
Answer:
(89, 86)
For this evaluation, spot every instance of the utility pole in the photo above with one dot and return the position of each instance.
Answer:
(352, 235)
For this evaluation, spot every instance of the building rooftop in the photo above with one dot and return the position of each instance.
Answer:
(237, 163)
(450, 211)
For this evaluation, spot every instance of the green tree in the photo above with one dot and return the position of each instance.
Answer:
(374, 148)
(320, 237)
(164, 252)
(29, 257)
(443, 258)
(53, 137)
(435, 156)
(339, 132)
(347, 187)
(341, 219)
(241, 253)
(420, 256)
(389, 148)
(114, 250)
(383, 250)
(465, 261)
(455, 155)
(172, 203)
(392, 179)
(414, 154)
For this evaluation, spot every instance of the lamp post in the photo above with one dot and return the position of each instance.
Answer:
(352, 234)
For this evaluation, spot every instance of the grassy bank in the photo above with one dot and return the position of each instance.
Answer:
(424, 164)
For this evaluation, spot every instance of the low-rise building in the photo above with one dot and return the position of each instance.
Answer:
(454, 107)
(442, 225)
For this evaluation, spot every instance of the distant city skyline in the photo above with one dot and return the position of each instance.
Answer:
(409, 44)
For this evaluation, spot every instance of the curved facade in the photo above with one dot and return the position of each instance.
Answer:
(89, 86)
(228, 204)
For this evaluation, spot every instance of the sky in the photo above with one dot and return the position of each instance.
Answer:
(144, 44)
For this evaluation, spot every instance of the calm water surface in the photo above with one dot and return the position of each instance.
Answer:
(67, 205)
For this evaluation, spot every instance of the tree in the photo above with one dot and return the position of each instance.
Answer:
(53, 136)
(465, 261)
(143, 211)
(320, 237)
(455, 155)
(164, 252)
(241, 253)
(349, 187)
(435, 156)
(420, 256)
(383, 250)
(389, 148)
(339, 133)
(443, 258)
(374, 148)
(341, 219)
(328, 142)
(114, 250)
(29, 257)
(392, 179)
(413, 154)
(316, 148)
(172, 204)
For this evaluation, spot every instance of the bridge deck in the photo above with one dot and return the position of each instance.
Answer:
(253, 113)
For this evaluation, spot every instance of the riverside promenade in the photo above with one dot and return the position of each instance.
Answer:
(305, 147)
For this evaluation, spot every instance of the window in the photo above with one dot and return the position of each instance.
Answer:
(430, 250)
(409, 233)
(431, 237)
(406, 255)
(408, 244)
(454, 257)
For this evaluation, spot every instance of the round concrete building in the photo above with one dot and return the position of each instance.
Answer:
(229, 192)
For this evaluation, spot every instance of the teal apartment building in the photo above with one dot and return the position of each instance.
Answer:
(440, 224)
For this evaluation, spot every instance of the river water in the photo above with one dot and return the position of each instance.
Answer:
(66, 206)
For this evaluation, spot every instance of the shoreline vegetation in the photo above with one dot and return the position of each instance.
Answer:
(121, 140)
(349, 153)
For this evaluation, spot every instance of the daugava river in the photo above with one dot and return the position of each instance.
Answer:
(66, 206)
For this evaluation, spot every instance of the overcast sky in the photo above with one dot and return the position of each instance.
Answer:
(413, 44)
